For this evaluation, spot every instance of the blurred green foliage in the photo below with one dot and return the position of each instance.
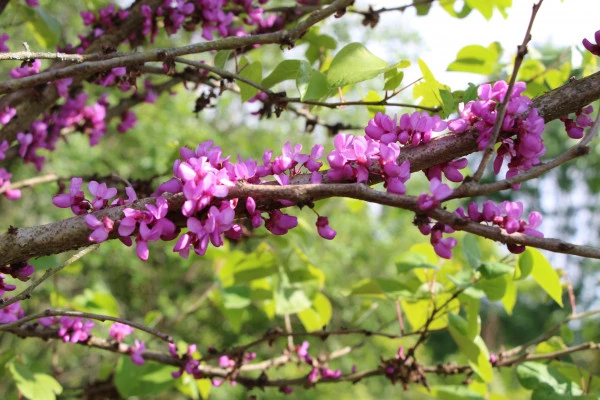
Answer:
(234, 294)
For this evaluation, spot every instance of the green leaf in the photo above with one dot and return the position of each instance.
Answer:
(493, 270)
(510, 296)
(486, 7)
(290, 300)
(459, 324)
(411, 260)
(448, 6)
(241, 267)
(567, 334)
(97, 303)
(392, 82)
(423, 9)
(252, 72)
(44, 27)
(428, 89)
(524, 265)
(285, 70)
(318, 316)
(221, 58)
(384, 288)
(557, 77)
(543, 273)
(449, 103)
(34, 385)
(43, 263)
(204, 387)
(477, 59)
(555, 343)
(142, 380)
(454, 392)
(547, 382)
(474, 349)
(471, 251)
(352, 64)
(417, 313)
(374, 96)
(473, 318)
(237, 296)
(235, 317)
(311, 83)
(494, 289)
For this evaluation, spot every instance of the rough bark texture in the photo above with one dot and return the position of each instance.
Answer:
(25, 243)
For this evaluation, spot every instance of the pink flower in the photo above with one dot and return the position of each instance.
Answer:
(593, 48)
(74, 199)
(101, 228)
(324, 229)
(102, 194)
(279, 223)
(62, 87)
(74, 330)
(128, 120)
(119, 331)
(3, 39)
(11, 313)
(439, 192)
(7, 114)
(137, 351)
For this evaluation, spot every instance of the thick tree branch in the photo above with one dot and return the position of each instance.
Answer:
(23, 243)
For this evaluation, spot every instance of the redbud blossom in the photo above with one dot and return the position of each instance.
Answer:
(324, 229)
(119, 331)
(137, 351)
(593, 48)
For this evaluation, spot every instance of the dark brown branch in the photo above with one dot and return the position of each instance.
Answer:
(24, 243)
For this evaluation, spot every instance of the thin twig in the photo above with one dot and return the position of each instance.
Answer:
(26, 294)
(97, 317)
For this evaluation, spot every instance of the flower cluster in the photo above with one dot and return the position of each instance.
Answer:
(79, 205)
(70, 330)
(411, 130)
(506, 215)
(213, 16)
(523, 151)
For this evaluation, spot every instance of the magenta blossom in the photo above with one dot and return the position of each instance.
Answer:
(74, 199)
(439, 192)
(74, 330)
(119, 331)
(137, 351)
(102, 194)
(279, 223)
(593, 48)
(11, 313)
(3, 39)
(324, 229)
(101, 228)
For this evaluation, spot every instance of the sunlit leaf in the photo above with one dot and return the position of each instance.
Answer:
(543, 273)
(252, 72)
